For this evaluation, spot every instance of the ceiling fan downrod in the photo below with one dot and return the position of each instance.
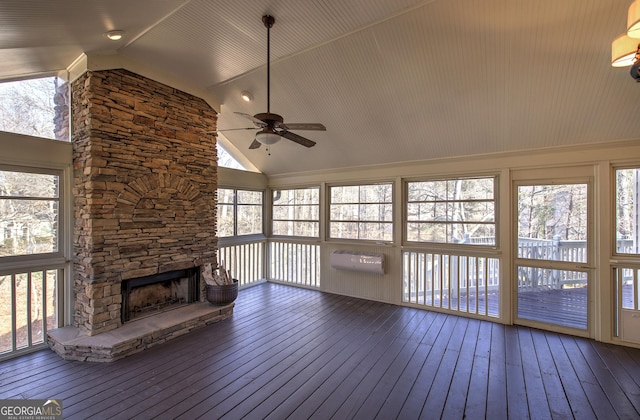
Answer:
(268, 23)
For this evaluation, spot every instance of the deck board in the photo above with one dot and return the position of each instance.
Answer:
(573, 392)
(291, 352)
(535, 392)
(397, 369)
(417, 397)
(282, 387)
(441, 386)
(620, 400)
(516, 386)
(459, 387)
(554, 392)
(592, 389)
(476, 403)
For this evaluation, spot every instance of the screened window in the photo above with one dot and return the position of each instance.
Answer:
(627, 212)
(362, 212)
(460, 210)
(296, 212)
(239, 212)
(29, 213)
(226, 160)
(35, 107)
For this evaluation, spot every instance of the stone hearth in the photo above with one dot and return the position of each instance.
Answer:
(145, 180)
(135, 336)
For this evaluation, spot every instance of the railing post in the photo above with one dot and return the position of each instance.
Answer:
(555, 255)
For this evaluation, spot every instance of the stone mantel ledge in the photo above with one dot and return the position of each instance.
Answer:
(135, 336)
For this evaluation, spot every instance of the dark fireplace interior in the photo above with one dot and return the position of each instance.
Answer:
(149, 295)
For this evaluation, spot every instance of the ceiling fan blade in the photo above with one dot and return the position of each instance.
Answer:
(297, 139)
(303, 126)
(234, 129)
(255, 144)
(257, 122)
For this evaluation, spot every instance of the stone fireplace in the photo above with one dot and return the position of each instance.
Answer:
(145, 180)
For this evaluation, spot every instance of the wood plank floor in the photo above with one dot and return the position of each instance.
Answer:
(296, 353)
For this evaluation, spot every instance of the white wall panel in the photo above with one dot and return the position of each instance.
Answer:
(381, 287)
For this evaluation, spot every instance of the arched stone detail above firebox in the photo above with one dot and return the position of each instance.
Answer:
(165, 223)
(139, 188)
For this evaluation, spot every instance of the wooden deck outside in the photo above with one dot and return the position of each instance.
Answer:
(296, 353)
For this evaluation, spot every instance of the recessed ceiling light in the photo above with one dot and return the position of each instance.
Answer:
(246, 96)
(115, 35)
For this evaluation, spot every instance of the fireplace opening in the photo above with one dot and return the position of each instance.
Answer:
(144, 296)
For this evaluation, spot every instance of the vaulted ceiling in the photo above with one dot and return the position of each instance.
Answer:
(392, 80)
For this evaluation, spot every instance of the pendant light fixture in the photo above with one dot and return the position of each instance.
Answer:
(625, 49)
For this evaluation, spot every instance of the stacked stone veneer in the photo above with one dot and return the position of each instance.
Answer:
(145, 183)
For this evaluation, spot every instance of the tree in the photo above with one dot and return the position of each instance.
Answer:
(28, 107)
(28, 202)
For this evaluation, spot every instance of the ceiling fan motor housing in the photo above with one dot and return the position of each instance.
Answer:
(272, 120)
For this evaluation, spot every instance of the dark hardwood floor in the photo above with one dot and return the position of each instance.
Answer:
(296, 353)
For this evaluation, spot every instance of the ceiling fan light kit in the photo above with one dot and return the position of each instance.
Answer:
(267, 137)
(625, 49)
(272, 126)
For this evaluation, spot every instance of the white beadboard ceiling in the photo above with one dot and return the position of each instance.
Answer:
(392, 80)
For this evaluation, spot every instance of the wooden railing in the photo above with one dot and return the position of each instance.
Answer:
(253, 261)
(246, 260)
(532, 278)
(466, 283)
(554, 250)
(295, 262)
(30, 303)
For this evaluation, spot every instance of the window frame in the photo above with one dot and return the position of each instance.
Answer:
(391, 223)
(61, 231)
(452, 245)
(272, 213)
(236, 205)
(614, 209)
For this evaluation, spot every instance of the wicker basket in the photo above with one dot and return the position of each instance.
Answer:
(222, 295)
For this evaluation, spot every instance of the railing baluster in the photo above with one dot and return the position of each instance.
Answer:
(440, 279)
(467, 282)
(43, 308)
(13, 312)
(477, 284)
(635, 291)
(28, 309)
(423, 280)
(485, 276)
(431, 280)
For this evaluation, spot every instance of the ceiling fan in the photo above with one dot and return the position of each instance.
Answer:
(272, 126)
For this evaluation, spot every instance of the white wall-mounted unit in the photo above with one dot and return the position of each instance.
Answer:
(358, 261)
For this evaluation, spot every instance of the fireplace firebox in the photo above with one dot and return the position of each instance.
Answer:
(148, 295)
